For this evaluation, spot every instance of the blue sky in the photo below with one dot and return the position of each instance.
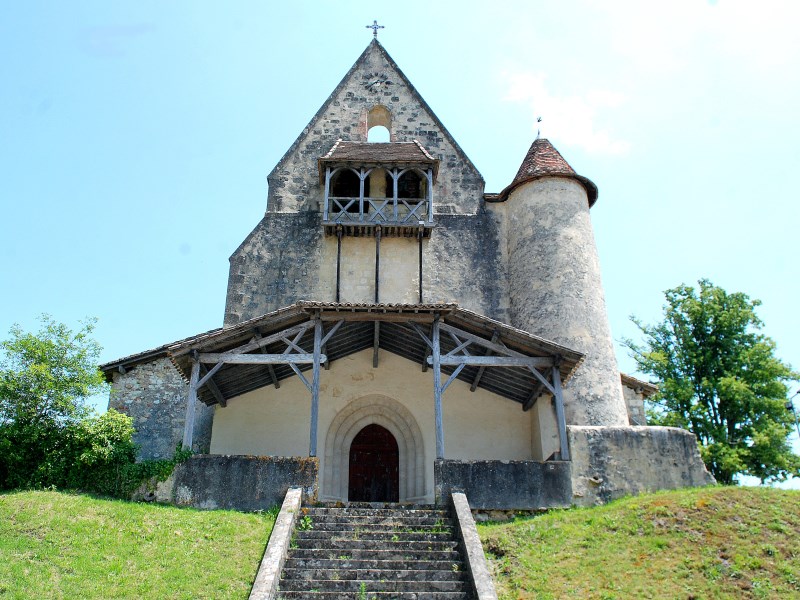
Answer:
(137, 137)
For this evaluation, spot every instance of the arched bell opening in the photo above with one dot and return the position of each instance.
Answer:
(374, 466)
(346, 188)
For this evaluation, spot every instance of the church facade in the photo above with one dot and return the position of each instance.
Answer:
(407, 332)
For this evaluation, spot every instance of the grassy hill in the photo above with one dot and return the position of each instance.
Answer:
(58, 545)
(706, 543)
(691, 544)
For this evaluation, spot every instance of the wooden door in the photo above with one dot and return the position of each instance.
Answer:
(374, 466)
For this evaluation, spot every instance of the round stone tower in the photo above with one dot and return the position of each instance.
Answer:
(555, 287)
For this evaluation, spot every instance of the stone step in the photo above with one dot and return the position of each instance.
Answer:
(381, 527)
(452, 562)
(379, 520)
(354, 587)
(387, 554)
(315, 595)
(357, 535)
(368, 512)
(375, 505)
(345, 574)
(350, 544)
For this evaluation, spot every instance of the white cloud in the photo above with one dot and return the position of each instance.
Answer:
(569, 120)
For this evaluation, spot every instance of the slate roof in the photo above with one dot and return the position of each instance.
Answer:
(543, 160)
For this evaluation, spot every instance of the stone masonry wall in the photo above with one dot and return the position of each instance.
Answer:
(556, 292)
(294, 184)
(611, 462)
(461, 262)
(154, 394)
(634, 401)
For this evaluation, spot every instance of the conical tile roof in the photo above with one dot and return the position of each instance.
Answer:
(543, 160)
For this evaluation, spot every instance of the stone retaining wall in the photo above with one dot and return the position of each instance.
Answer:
(246, 483)
(505, 485)
(611, 462)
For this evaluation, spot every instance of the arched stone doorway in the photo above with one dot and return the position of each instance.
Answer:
(374, 466)
(392, 416)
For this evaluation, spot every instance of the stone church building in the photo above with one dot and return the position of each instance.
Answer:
(393, 331)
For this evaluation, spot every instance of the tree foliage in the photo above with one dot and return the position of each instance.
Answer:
(48, 435)
(720, 379)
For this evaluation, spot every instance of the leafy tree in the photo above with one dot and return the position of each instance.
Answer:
(48, 436)
(720, 379)
(45, 378)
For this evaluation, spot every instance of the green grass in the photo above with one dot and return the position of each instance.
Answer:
(718, 542)
(59, 545)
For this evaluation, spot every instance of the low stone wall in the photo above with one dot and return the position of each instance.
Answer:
(611, 462)
(505, 485)
(239, 482)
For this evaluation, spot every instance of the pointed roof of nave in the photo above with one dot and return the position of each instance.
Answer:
(373, 47)
(543, 160)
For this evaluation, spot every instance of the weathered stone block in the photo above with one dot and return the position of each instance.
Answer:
(496, 484)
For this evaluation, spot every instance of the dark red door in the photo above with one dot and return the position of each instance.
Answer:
(374, 466)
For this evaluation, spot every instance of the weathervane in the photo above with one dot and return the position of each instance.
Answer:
(375, 28)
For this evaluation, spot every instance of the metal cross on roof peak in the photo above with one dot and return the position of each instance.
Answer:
(375, 28)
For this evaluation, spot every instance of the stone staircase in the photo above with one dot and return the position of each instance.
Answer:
(374, 551)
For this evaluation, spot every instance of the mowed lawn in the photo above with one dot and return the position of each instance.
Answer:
(61, 545)
(719, 542)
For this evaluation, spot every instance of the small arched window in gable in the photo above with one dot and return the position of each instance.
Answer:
(379, 124)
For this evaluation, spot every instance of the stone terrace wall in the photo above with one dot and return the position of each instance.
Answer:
(505, 484)
(611, 462)
(154, 394)
(240, 482)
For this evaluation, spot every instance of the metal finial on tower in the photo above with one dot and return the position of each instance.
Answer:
(539, 129)
(375, 28)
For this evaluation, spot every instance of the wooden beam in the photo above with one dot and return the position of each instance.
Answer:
(312, 447)
(270, 368)
(421, 334)
(376, 342)
(542, 380)
(452, 377)
(191, 400)
(259, 359)
(300, 375)
(437, 391)
(496, 346)
(208, 374)
(270, 339)
(560, 417)
(489, 352)
(495, 361)
(531, 400)
(377, 316)
(207, 381)
(330, 333)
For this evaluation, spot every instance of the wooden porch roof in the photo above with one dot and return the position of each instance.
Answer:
(396, 328)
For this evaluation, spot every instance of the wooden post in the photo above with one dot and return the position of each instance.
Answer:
(338, 259)
(437, 390)
(188, 425)
(395, 177)
(312, 449)
(327, 192)
(430, 195)
(420, 233)
(377, 262)
(361, 177)
(560, 418)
